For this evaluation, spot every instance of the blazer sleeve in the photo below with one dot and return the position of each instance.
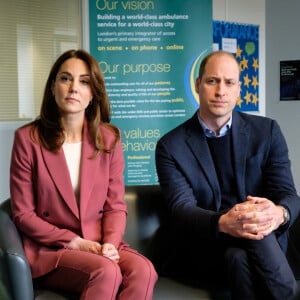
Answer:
(115, 211)
(177, 168)
(277, 175)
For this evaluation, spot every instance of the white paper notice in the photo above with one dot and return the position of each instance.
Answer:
(229, 45)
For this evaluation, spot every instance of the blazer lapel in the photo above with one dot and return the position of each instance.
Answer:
(58, 170)
(89, 169)
(197, 142)
(240, 137)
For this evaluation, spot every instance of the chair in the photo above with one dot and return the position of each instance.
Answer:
(16, 275)
(143, 221)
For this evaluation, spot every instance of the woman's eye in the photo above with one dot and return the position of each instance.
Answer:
(65, 78)
(85, 82)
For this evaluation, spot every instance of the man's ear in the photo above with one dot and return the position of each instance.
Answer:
(197, 83)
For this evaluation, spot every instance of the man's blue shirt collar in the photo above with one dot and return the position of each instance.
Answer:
(210, 133)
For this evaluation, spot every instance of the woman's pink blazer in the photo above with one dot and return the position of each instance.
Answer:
(43, 202)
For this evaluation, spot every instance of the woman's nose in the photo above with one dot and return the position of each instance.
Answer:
(74, 86)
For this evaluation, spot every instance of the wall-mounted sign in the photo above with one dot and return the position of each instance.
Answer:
(149, 52)
(290, 80)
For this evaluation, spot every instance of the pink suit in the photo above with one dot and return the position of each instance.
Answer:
(45, 210)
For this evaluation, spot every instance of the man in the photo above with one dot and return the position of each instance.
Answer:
(229, 192)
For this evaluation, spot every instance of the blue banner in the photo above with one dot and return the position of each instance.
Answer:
(242, 40)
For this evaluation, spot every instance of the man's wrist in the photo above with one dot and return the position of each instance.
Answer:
(286, 216)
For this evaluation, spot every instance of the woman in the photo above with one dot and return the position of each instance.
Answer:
(67, 190)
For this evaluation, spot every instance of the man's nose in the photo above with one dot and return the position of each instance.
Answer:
(220, 90)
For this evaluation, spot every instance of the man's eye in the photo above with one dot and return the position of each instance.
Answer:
(230, 83)
(211, 81)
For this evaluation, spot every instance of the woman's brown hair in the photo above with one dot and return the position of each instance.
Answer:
(48, 124)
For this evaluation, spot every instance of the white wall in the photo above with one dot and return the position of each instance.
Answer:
(283, 43)
(241, 11)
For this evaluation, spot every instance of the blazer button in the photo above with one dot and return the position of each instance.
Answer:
(46, 213)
